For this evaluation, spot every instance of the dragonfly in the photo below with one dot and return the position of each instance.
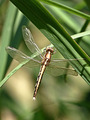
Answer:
(55, 67)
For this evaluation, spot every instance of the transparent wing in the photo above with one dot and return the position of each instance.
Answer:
(59, 62)
(21, 57)
(59, 67)
(29, 40)
(57, 71)
(65, 62)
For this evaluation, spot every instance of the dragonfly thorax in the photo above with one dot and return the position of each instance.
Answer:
(47, 57)
(50, 49)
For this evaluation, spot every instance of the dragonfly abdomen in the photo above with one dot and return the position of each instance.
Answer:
(39, 78)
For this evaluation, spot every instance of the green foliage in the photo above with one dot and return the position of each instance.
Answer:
(57, 22)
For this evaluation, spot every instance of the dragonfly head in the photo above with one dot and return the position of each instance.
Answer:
(50, 49)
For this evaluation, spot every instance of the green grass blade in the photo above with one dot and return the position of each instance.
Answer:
(88, 3)
(6, 37)
(69, 9)
(82, 34)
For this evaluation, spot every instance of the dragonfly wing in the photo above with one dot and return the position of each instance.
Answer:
(21, 57)
(59, 66)
(65, 62)
(59, 62)
(29, 40)
(57, 71)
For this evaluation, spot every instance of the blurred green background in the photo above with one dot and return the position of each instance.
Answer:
(59, 98)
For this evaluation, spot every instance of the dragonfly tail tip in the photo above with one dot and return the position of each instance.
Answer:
(34, 98)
